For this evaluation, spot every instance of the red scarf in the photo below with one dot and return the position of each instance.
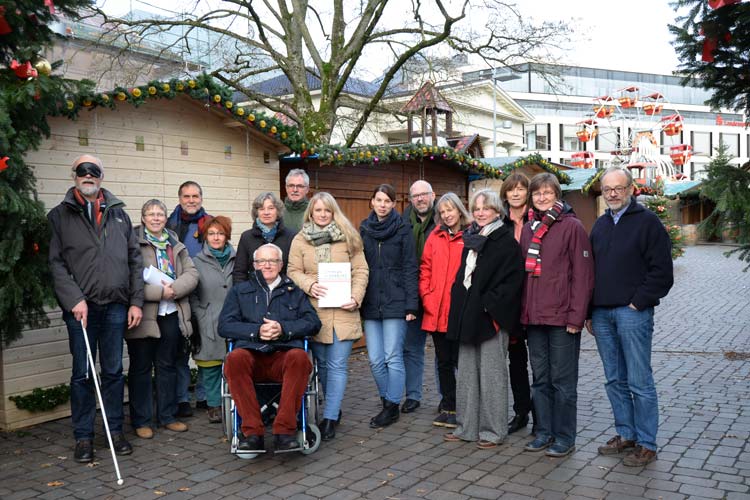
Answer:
(540, 228)
(96, 205)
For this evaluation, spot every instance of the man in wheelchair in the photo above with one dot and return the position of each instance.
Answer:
(267, 317)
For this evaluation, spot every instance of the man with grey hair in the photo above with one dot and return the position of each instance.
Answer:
(632, 272)
(96, 270)
(295, 204)
(420, 214)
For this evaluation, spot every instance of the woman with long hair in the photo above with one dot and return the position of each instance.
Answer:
(328, 236)
(441, 259)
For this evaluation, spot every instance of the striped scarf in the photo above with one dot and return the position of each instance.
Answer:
(540, 228)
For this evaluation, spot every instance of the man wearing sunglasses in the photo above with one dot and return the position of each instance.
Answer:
(96, 270)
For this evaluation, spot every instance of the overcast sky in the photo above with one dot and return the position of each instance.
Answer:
(613, 34)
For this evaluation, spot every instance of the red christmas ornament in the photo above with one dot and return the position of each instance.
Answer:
(35, 246)
(25, 70)
(717, 4)
(4, 26)
(4, 163)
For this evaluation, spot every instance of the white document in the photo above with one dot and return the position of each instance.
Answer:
(337, 278)
(153, 276)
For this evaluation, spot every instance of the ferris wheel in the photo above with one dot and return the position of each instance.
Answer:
(629, 123)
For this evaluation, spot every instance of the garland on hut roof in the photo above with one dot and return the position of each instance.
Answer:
(535, 159)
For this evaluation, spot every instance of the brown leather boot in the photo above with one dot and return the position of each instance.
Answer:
(616, 445)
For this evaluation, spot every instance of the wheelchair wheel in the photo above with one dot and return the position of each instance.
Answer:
(312, 432)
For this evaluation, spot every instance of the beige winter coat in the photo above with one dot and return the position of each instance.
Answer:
(187, 280)
(303, 270)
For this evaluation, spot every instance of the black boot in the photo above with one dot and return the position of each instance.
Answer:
(517, 423)
(386, 417)
(327, 429)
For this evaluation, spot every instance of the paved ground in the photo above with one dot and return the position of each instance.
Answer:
(703, 438)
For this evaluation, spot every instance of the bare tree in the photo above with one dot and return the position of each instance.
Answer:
(332, 43)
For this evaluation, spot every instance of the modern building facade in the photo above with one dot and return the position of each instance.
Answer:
(578, 94)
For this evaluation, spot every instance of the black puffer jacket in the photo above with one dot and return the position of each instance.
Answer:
(392, 291)
(250, 241)
(101, 267)
(250, 301)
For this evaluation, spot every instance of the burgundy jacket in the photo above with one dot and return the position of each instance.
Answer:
(561, 295)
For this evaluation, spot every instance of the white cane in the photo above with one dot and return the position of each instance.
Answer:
(101, 402)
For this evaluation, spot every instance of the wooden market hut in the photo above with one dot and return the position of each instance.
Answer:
(147, 151)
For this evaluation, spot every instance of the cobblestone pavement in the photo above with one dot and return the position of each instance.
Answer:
(703, 437)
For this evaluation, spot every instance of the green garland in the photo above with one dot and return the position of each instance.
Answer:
(43, 399)
(535, 159)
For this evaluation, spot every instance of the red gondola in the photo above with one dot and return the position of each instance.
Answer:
(629, 97)
(681, 153)
(672, 124)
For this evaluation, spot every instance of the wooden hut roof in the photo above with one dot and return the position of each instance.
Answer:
(427, 97)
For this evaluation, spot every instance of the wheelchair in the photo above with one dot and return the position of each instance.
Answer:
(269, 396)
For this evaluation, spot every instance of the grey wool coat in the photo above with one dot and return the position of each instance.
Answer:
(208, 299)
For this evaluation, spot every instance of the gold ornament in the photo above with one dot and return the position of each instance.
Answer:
(273, 130)
(217, 98)
(180, 87)
(43, 66)
(152, 90)
(262, 124)
(228, 104)
(70, 104)
(136, 92)
(240, 111)
(251, 117)
(191, 84)
(165, 87)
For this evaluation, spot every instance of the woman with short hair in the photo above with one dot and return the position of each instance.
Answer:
(267, 213)
(485, 304)
(215, 263)
(153, 345)
(557, 289)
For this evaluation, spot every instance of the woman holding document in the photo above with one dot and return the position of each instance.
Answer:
(170, 277)
(391, 300)
(327, 238)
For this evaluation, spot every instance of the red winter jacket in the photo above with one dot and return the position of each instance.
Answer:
(441, 259)
(561, 295)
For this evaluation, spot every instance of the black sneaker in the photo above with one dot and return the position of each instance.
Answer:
(84, 452)
(285, 442)
(446, 419)
(121, 445)
(184, 410)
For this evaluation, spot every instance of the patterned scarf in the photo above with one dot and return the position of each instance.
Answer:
(92, 210)
(163, 258)
(540, 228)
(179, 221)
(321, 238)
(269, 233)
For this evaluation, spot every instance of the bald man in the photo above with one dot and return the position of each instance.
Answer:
(97, 275)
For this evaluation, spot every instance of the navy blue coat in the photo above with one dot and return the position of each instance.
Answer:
(250, 301)
(632, 259)
(392, 290)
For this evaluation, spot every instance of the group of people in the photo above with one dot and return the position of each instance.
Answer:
(516, 269)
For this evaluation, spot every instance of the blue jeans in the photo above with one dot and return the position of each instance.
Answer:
(623, 337)
(106, 326)
(147, 355)
(385, 348)
(414, 358)
(554, 353)
(333, 365)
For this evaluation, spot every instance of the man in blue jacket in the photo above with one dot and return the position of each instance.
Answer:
(632, 271)
(268, 317)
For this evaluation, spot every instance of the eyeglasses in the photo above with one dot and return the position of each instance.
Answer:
(266, 262)
(296, 187)
(420, 195)
(155, 215)
(617, 190)
(214, 234)
(543, 194)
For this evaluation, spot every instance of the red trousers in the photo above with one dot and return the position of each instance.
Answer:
(292, 368)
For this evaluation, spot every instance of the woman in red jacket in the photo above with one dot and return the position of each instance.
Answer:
(441, 259)
(556, 294)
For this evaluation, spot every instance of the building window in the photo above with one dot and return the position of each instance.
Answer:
(537, 137)
(83, 137)
(607, 139)
(671, 140)
(701, 142)
(184, 149)
(732, 143)
(569, 140)
(698, 170)
(140, 144)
